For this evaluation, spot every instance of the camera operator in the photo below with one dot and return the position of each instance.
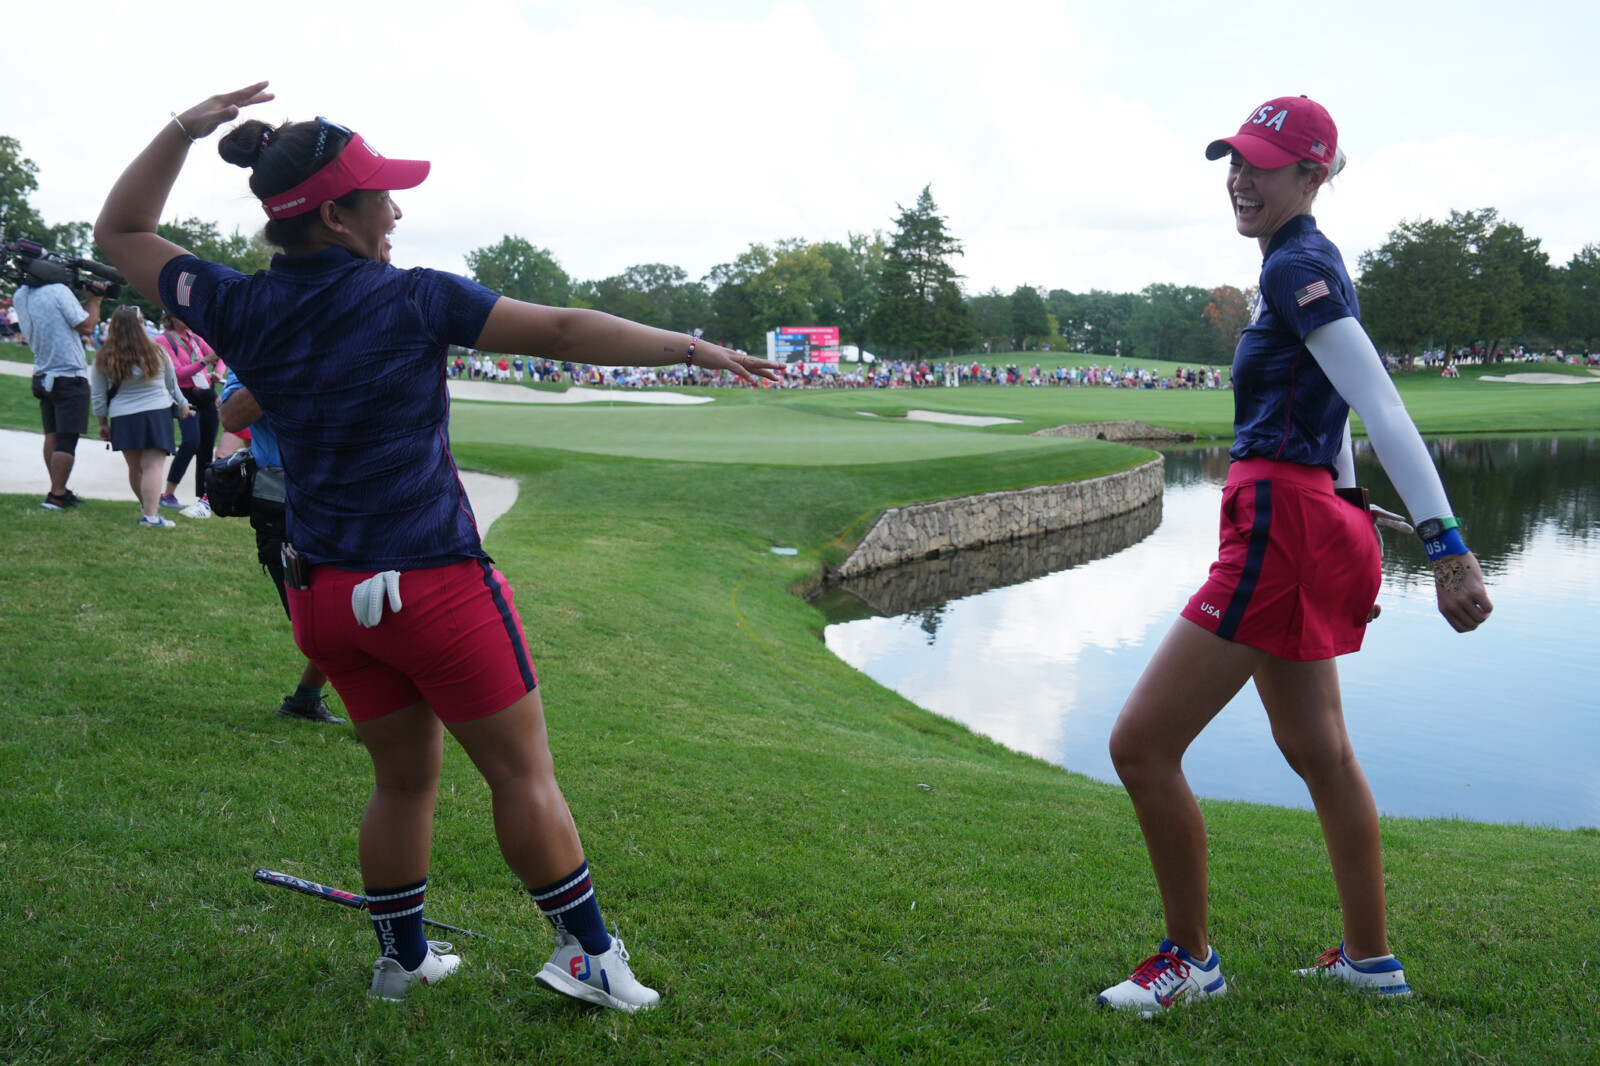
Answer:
(54, 324)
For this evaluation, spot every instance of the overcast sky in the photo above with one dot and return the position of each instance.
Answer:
(1064, 141)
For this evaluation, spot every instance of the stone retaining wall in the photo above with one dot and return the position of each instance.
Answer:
(928, 530)
(923, 583)
(1117, 431)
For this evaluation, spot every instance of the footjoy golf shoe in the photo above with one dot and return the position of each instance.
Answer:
(391, 981)
(1383, 975)
(1168, 977)
(604, 979)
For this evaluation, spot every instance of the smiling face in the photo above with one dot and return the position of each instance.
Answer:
(1263, 200)
(365, 228)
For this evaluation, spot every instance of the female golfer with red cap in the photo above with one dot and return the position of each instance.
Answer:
(346, 353)
(1297, 574)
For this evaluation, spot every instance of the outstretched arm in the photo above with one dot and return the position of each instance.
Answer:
(1345, 353)
(582, 336)
(126, 228)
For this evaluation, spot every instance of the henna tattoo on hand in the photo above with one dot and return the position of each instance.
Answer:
(1450, 574)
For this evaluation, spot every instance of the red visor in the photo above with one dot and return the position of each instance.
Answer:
(359, 166)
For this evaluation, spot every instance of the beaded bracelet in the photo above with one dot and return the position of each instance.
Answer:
(694, 338)
(180, 127)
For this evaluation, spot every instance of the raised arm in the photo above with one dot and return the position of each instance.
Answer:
(126, 228)
(582, 336)
(1345, 353)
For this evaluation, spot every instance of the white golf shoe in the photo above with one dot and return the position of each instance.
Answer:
(603, 979)
(1167, 978)
(1383, 975)
(391, 981)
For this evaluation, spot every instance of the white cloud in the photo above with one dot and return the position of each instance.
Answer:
(1062, 140)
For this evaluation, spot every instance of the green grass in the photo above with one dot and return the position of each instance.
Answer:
(752, 807)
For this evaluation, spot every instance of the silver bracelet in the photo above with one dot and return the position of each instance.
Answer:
(180, 127)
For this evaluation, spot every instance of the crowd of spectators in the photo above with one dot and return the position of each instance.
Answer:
(884, 374)
(1446, 361)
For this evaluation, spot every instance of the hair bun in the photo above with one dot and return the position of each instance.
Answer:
(243, 144)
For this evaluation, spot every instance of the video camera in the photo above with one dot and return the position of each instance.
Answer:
(29, 263)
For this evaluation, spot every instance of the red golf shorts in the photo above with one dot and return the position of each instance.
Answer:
(1299, 567)
(456, 642)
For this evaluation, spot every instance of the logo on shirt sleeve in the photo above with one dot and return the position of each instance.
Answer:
(1311, 293)
(185, 288)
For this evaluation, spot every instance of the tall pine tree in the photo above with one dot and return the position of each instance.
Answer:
(920, 307)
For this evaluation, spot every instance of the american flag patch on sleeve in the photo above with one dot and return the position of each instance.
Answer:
(185, 288)
(1315, 291)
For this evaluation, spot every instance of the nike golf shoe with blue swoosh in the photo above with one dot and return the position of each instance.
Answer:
(603, 979)
(1383, 975)
(1167, 978)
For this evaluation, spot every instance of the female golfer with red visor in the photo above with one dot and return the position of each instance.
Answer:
(346, 354)
(1297, 574)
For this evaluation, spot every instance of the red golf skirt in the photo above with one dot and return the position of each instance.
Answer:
(1298, 569)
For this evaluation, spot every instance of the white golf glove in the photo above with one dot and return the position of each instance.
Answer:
(1391, 520)
(367, 598)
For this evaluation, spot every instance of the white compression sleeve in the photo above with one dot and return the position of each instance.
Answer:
(1344, 464)
(1353, 365)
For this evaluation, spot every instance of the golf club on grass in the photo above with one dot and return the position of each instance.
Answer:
(348, 899)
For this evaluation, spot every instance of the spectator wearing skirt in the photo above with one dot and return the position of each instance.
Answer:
(133, 392)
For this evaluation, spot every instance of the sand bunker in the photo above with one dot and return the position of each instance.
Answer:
(949, 419)
(1540, 379)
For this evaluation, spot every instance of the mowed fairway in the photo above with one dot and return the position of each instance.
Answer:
(811, 869)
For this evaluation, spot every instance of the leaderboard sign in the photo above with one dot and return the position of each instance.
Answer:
(804, 344)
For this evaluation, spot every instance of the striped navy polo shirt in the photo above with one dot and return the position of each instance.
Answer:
(1284, 407)
(347, 357)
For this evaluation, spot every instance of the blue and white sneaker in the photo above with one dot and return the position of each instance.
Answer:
(1167, 978)
(155, 521)
(603, 979)
(1383, 975)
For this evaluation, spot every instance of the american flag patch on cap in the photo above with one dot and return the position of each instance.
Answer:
(1315, 291)
(1318, 149)
(185, 287)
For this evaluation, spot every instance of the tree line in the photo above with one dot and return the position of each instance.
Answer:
(1473, 279)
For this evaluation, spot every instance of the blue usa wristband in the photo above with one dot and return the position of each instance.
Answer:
(1449, 543)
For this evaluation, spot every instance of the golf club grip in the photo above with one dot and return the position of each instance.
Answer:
(311, 888)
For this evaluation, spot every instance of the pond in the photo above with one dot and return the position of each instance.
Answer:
(1499, 725)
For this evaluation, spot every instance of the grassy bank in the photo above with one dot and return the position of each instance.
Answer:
(810, 868)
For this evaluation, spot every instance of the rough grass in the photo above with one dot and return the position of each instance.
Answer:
(810, 868)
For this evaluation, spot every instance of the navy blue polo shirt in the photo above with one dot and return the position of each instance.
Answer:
(346, 355)
(1284, 407)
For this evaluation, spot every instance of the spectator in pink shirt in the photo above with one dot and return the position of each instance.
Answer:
(197, 367)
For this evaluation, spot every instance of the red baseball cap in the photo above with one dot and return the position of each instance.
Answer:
(1283, 131)
(357, 166)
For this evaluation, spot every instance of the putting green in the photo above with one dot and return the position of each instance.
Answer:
(775, 433)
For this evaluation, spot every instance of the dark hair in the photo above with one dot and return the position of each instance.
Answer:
(281, 157)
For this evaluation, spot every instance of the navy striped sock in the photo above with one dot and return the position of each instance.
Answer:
(571, 907)
(397, 920)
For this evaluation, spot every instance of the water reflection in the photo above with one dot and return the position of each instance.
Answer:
(1498, 725)
(921, 588)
